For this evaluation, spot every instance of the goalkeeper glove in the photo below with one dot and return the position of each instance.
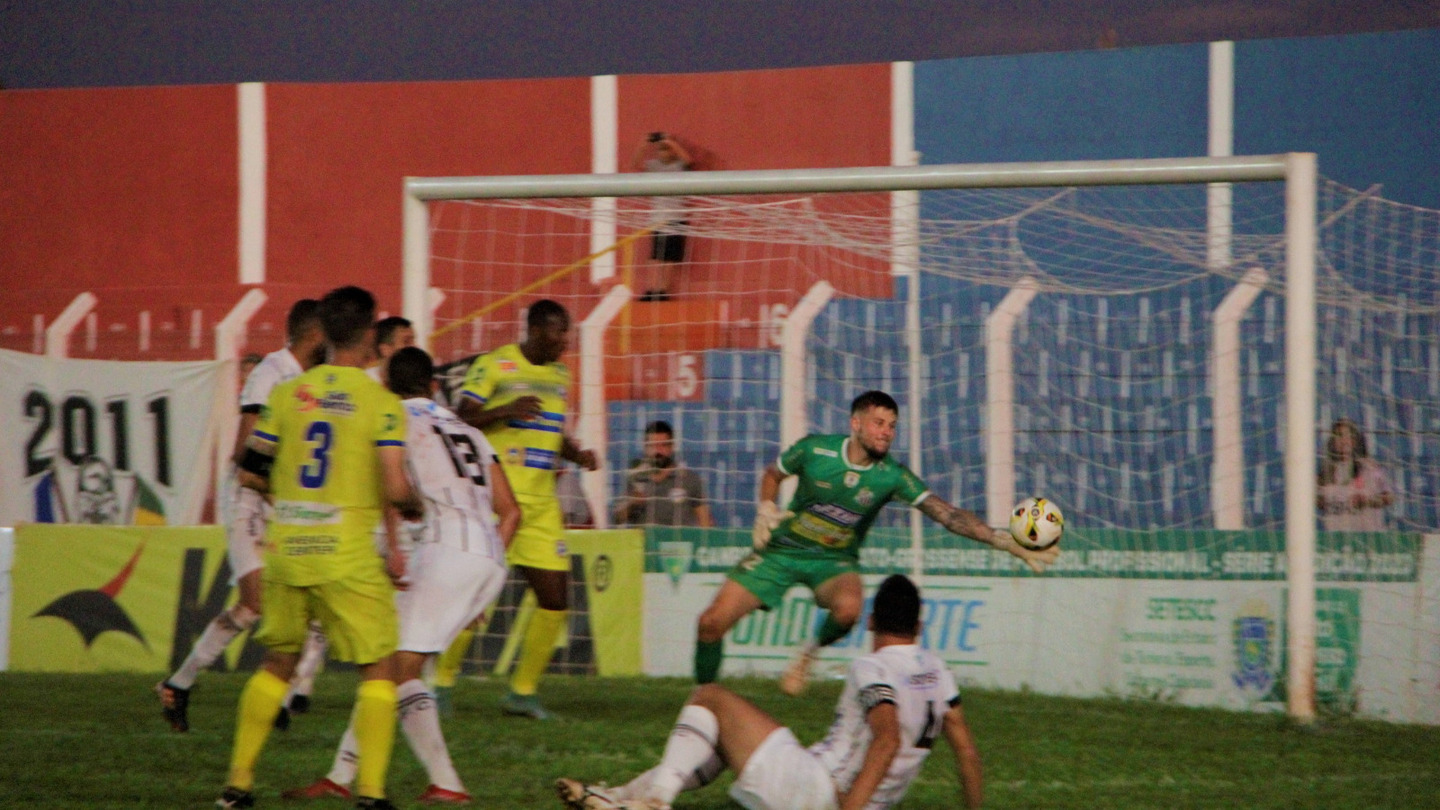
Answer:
(768, 515)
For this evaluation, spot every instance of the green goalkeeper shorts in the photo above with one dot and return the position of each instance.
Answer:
(770, 573)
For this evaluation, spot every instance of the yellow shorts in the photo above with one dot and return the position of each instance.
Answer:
(358, 614)
(540, 540)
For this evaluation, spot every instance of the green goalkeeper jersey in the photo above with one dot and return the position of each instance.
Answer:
(836, 501)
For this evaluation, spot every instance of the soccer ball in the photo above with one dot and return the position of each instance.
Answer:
(1036, 523)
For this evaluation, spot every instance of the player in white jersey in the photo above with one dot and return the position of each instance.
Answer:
(391, 335)
(244, 514)
(455, 571)
(896, 701)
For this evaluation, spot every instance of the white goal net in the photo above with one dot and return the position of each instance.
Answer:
(1133, 344)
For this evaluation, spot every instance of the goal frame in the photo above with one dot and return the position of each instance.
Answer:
(1297, 170)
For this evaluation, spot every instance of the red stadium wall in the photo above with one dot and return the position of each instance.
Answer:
(132, 194)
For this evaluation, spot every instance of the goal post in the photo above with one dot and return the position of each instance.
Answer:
(901, 245)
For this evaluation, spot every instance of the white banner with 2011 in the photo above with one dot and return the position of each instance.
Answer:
(97, 441)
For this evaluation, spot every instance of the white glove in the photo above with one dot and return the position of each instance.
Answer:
(768, 515)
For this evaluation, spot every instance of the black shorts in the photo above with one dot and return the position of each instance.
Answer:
(668, 247)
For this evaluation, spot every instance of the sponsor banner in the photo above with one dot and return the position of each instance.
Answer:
(99, 598)
(93, 598)
(104, 442)
(1105, 554)
(612, 562)
(1217, 641)
(604, 632)
(7, 558)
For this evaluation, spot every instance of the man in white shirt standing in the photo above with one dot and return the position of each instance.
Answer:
(896, 701)
(456, 569)
(244, 513)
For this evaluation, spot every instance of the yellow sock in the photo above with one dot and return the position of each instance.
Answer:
(545, 626)
(375, 705)
(255, 716)
(447, 667)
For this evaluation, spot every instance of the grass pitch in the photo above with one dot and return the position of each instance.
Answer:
(97, 741)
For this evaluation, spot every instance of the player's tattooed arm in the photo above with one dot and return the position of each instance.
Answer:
(968, 524)
(956, 520)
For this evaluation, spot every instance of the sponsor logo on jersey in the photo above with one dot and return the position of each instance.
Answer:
(507, 366)
(835, 514)
(851, 479)
(921, 680)
(331, 402)
(539, 459)
(306, 513)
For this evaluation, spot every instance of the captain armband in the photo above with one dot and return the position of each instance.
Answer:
(257, 463)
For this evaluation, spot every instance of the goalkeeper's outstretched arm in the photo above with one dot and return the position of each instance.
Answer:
(968, 524)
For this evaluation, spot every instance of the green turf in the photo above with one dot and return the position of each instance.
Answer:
(97, 741)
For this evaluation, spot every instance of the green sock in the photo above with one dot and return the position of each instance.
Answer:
(830, 632)
(708, 655)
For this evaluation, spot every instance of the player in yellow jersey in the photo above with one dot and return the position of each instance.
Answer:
(330, 451)
(516, 396)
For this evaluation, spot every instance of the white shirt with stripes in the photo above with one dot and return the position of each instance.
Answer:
(449, 462)
(922, 689)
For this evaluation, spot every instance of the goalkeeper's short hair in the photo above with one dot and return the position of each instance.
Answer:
(873, 399)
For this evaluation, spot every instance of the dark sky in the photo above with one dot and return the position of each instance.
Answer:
(88, 43)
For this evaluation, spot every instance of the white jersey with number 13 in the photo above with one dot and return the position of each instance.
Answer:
(449, 463)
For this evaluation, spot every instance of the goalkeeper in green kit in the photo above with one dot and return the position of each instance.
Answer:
(844, 483)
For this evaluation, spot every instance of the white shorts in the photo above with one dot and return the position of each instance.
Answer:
(448, 589)
(782, 774)
(246, 513)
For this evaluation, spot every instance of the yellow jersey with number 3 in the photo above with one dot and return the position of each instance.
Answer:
(529, 449)
(323, 429)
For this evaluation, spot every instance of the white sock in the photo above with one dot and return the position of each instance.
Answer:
(690, 759)
(311, 657)
(642, 786)
(342, 770)
(420, 720)
(212, 643)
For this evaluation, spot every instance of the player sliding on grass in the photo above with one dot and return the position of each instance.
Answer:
(844, 483)
(896, 701)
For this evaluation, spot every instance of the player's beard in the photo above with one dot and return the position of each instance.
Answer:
(875, 455)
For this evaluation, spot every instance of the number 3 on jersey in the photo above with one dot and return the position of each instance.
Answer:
(312, 475)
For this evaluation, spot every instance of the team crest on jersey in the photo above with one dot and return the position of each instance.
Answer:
(851, 479)
(512, 455)
(864, 497)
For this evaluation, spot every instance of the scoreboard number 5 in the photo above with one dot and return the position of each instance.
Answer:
(684, 376)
